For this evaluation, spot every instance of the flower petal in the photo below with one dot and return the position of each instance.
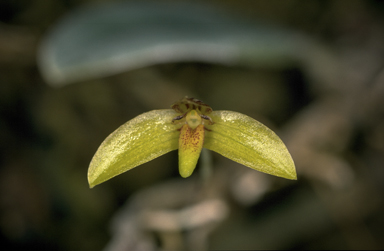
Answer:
(190, 146)
(248, 142)
(138, 141)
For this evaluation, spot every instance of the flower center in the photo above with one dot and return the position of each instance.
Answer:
(193, 119)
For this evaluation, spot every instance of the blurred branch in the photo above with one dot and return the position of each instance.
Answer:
(170, 212)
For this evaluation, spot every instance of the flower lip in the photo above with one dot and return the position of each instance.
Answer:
(191, 142)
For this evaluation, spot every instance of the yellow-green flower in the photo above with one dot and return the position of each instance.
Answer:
(189, 126)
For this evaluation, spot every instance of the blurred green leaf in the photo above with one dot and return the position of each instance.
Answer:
(100, 40)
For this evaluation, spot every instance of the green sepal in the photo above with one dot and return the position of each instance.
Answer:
(249, 142)
(190, 146)
(138, 141)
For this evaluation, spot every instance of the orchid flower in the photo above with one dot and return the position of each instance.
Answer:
(189, 126)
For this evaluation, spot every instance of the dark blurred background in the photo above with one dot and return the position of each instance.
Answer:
(328, 110)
